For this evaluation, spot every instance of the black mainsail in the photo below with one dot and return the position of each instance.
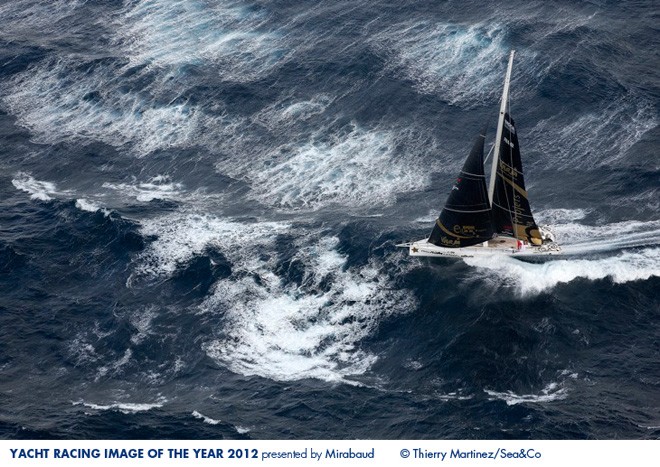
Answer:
(466, 218)
(512, 214)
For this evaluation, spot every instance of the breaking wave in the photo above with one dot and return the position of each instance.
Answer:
(449, 60)
(530, 279)
(286, 331)
(356, 168)
(231, 35)
(123, 407)
(61, 101)
(552, 392)
(274, 327)
(602, 137)
(38, 189)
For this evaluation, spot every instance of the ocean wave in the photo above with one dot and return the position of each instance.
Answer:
(231, 35)
(583, 238)
(353, 168)
(274, 327)
(38, 189)
(288, 111)
(527, 279)
(159, 187)
(205, 419)
(598, 138)
(453, 61)
(23, 18)
(552, 392)
(62, 101)
(135, 97)
(287, 332)
(123, 407)
(183, 235)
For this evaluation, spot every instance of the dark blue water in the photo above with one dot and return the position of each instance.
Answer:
(200, 202)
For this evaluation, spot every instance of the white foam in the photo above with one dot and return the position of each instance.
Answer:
(304, 110)
(552, 392)
(81, 351)
(581, 238)
(114, 368)
(123, 407)
(288, 331)
(453, 396)
(185, 234)
(530, 278)
(30, 17)
(453, 61)
(287, 112)
(159, 187)
(560, 216)
(137, 104)
(598, 138)
(172, 33)
(428, 218)
(205, 419)
(142, 321)
(271, 327)
(353, 169)
(89, 206)
(414, 365)
(38, 189)
(46, 191)
(52, 101)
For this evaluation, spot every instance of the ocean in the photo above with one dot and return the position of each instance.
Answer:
(200, 202)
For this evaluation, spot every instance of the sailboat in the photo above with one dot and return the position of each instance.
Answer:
(495, 220)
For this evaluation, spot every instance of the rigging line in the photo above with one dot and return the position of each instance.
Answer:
(489, 153)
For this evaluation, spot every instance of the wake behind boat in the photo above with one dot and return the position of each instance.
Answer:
(477, 221)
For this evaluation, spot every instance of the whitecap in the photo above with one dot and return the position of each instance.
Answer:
(599, 138)
(205, 419)
(356, 168)
(158, 188)
(289, 111)
(183, 235)
(38, 189)
(59, 101)
(89, 206)
(552, 392)
(273, 327)
(123, 407)
(453, 61)
(234, 38)
(287, 332)
(530, 278)
(24, 18)
(560, 215)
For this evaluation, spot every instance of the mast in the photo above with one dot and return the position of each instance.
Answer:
(500, 127)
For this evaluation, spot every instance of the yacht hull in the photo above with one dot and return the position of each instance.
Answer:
(499, 246)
